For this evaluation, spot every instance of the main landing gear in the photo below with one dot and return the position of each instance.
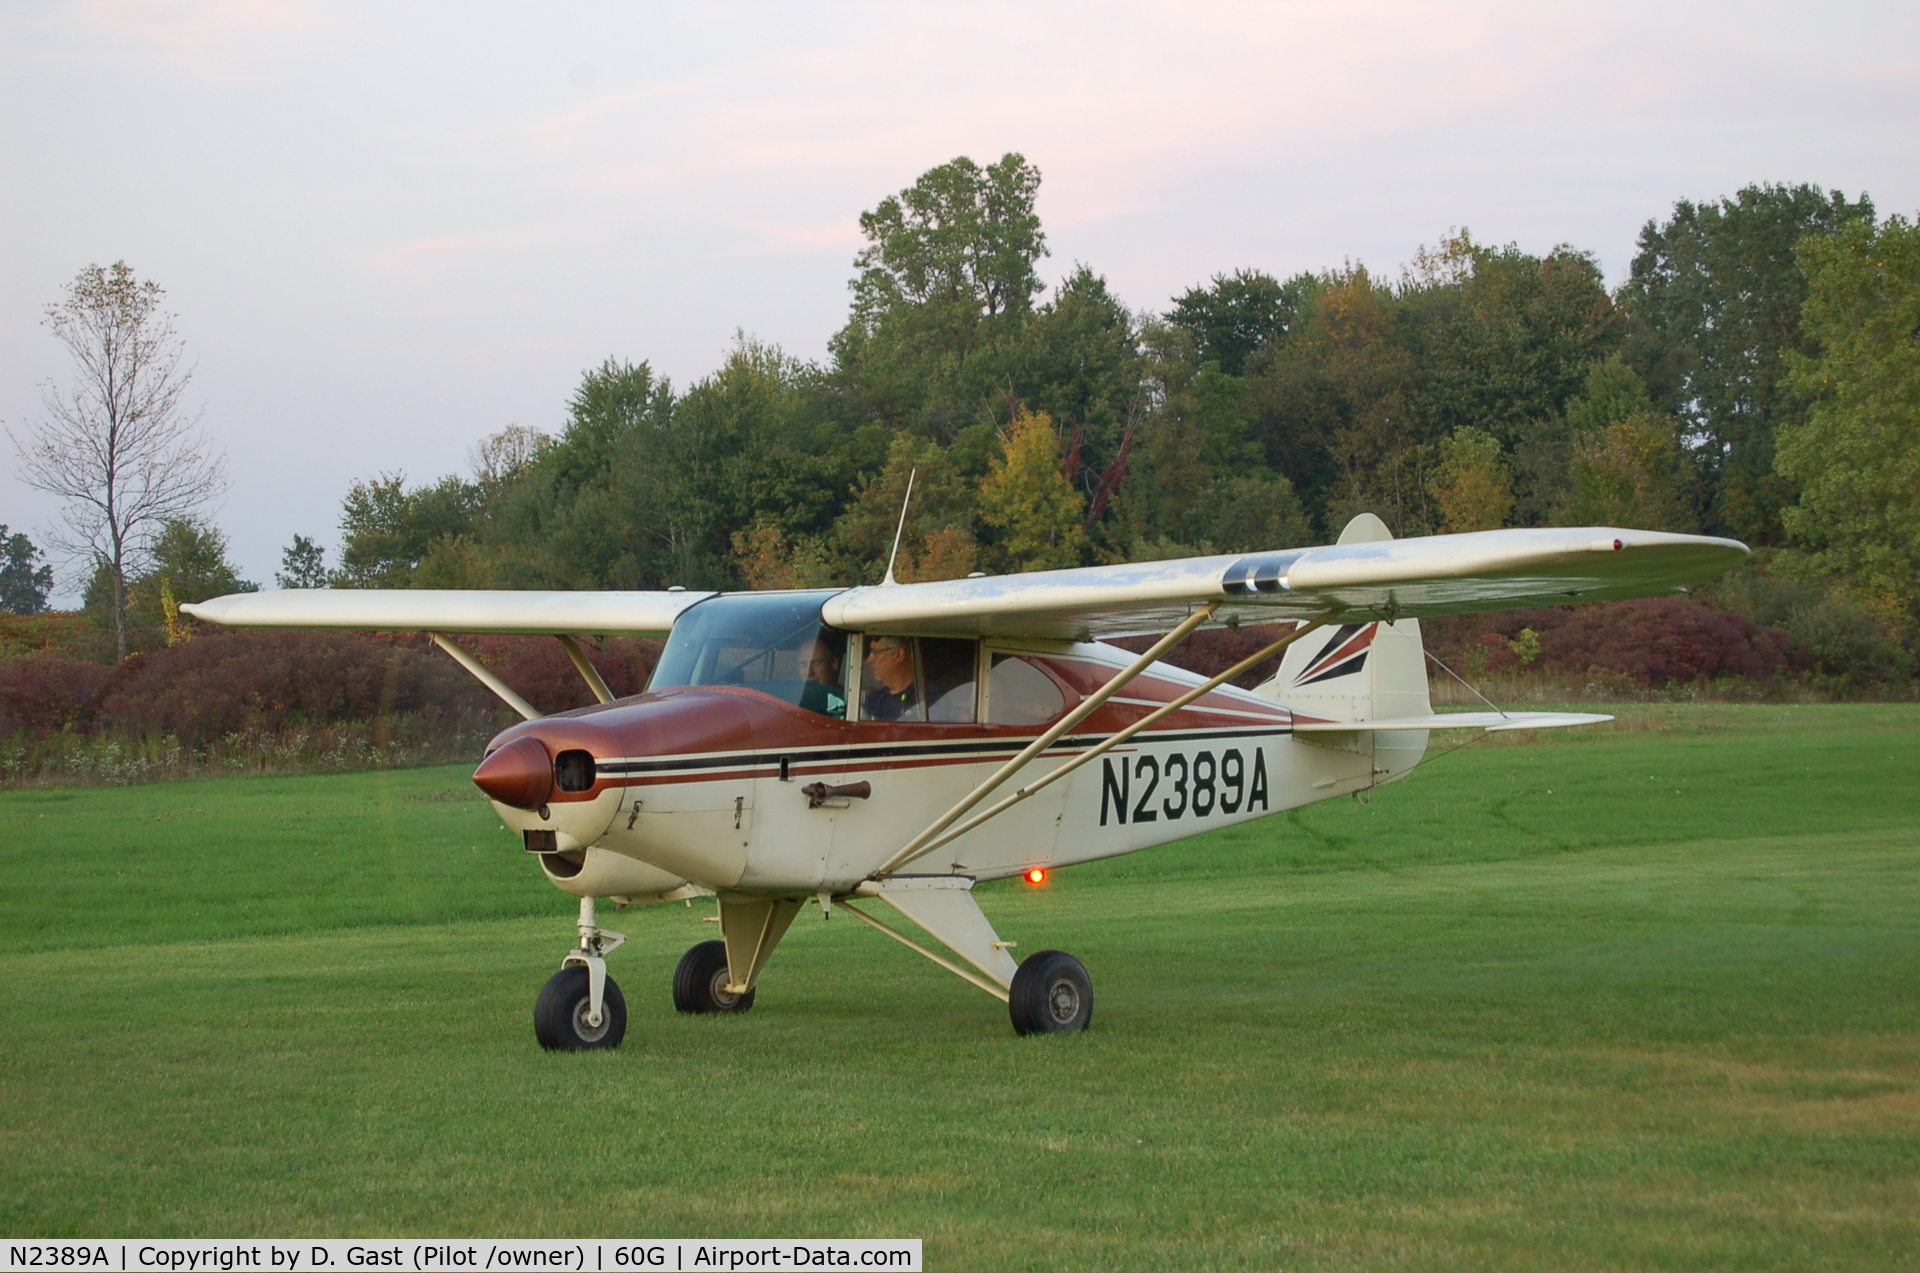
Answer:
(700, 982)
(1046, 993)
(580, 1008)
(1051, 994)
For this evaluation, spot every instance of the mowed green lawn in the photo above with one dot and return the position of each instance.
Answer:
(1643, 996)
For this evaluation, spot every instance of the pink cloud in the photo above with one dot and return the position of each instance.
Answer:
(216, 41)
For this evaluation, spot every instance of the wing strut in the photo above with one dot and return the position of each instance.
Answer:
(965, 974)
(588, 672)
(486, 678)
(1088, 706)
(1157, 715)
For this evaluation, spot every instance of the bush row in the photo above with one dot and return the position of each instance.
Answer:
(231, 682)
(1816, 644)
(326, 700)
(69, 759)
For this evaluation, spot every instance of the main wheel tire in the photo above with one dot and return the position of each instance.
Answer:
(700, 982)
(1051, 994)
(560, 1013)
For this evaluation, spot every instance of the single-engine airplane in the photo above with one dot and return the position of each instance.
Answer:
(903, 742)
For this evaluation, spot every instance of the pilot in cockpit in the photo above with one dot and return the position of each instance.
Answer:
(890, 659)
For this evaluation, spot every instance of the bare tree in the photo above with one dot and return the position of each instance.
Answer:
(117, 445)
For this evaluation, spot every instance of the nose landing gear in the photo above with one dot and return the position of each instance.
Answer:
(580, 1008)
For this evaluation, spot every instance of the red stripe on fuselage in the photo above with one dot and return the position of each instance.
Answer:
(685, 724)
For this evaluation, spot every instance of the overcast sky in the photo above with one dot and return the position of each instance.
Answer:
(388, 230)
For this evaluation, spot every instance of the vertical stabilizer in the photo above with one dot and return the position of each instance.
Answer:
(1360, 671)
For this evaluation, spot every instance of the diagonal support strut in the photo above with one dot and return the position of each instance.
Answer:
(1087, 707)
(484, 676)
(588, 672)
(1122, 735)
(965, 974)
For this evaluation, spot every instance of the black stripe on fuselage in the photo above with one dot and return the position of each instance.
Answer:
(819, 755)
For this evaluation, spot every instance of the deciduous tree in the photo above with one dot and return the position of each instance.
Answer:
(1237, 315)
(302, 565)
(1715, 298)
(117, 445)
(1856, 456)
(1028, 501)
(1471, 487)
(1624, 464)
(945, 286)
(24, 585)
(961, 234)
(188, 563)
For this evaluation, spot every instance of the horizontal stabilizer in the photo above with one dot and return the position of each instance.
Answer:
(1492, 722)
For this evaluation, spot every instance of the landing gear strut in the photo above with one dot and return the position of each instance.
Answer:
(580, 1008)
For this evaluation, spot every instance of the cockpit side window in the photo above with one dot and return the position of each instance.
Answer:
(905, 678)
(948, 668)
(771, 642)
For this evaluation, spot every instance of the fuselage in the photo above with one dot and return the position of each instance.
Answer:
(699, 788)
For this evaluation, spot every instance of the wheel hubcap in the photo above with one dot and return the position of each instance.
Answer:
(590, 1033)
(721, 999)
(1063, 1001)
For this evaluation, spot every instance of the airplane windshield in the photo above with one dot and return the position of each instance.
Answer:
(774, 643)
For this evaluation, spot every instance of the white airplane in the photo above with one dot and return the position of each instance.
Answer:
(902, 743)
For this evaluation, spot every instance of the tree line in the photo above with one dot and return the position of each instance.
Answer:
(1756, 375)
(1716, 390)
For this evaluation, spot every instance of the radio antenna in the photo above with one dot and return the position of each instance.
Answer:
(900, 529)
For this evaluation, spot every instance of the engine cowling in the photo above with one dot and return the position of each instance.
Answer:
(603, 873)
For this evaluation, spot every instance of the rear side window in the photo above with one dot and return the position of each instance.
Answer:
(1018, 693)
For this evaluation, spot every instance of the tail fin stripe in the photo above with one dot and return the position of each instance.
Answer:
(1341, 649)
(1338, 670)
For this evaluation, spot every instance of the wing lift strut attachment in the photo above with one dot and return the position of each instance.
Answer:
(958, 922)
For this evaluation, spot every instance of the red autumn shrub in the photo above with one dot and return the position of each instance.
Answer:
(44, 693)
(1657, 640)
(1651, 641)
(538, 669)
(223, 682)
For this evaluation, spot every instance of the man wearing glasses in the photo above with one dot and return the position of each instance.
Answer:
(896, 697)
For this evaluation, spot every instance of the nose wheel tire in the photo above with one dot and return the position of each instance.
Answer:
(1051, 994)
(560, 1014)
(700, 982)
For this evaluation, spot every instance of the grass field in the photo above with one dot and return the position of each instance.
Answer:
(1646, 996)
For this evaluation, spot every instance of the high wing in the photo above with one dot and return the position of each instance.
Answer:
(431, 610)
(1382, 579)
